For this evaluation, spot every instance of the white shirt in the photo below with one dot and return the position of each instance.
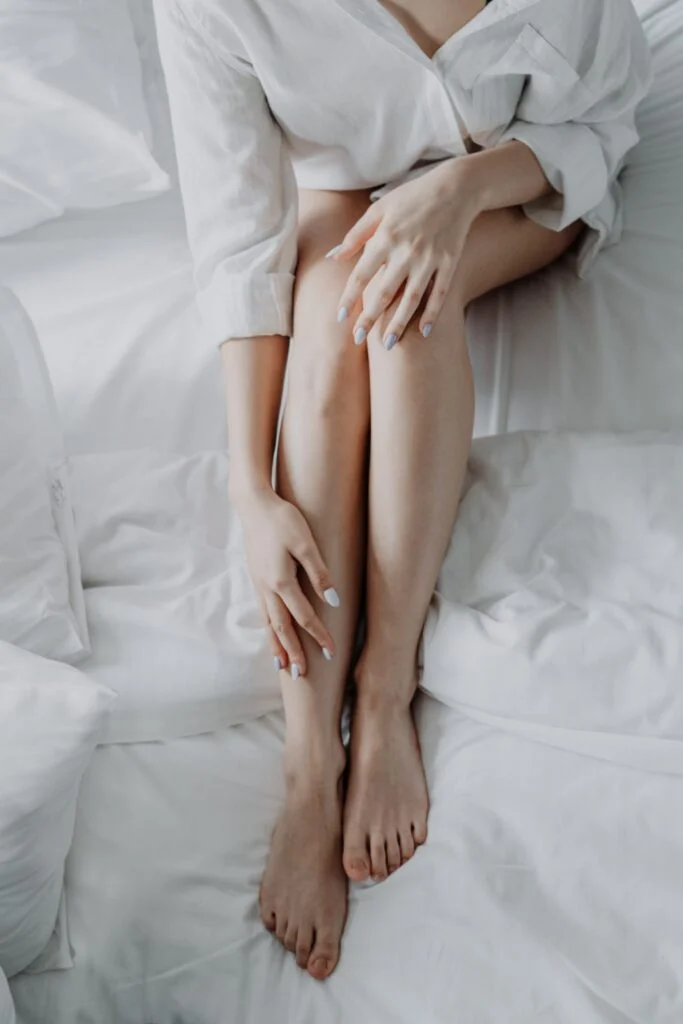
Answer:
(268, 95)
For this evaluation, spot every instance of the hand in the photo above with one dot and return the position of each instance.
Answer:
(412, 240)
(278, 542)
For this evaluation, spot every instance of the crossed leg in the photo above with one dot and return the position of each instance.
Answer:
(419, 401)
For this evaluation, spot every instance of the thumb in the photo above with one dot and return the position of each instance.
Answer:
(360, 233)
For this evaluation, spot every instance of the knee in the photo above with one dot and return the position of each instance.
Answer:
(330, 381)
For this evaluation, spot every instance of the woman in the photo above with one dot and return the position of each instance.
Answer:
(355, 173)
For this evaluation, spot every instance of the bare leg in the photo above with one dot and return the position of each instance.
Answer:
(422, 405)
(323, 470)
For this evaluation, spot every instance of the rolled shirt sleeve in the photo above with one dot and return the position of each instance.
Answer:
(236, 178)
(581, 124)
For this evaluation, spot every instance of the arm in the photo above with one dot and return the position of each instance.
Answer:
(240, 200)
(509, 175)
(240, 205)
(254, 371)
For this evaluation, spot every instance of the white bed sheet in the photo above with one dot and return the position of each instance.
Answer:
(548, 890)
(551, 890)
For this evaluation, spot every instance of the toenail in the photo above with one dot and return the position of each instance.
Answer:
(359, 865)
(320, 965)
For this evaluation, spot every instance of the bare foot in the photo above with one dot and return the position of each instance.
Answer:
(385, 816)
(304, 890)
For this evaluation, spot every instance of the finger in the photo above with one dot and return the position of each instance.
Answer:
(281, 622)
(413, 294)
(439, 292)
(382, 291)
(368, 265)
(302, 610)
(360, 233)
(278, 651)
(311, 561)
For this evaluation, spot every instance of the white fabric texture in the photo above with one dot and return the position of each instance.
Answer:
(41, 598)
(175, 627)
(50, 716)
(7, 1015)
(558, 608)
(75, 129)
(262, 99)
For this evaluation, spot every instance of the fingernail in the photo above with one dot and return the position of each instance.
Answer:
(332, 597)
(390, 341)
(277, 662)
(296, 672)
(427, 330)
(360, 335)
(333, 252)
(342, 315)
(327, 654)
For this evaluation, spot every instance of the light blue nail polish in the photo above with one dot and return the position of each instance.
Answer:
(333, 252)
(342, 315)
(277, 662)
(295, 672)
(390, 341)
(332, 597)
(360, 335)
(327, 654)
(427, 330)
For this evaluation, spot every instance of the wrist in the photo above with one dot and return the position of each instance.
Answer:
(245, 487)
(470, 186)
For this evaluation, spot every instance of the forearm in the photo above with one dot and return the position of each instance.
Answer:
(509, 175)
(254, 370)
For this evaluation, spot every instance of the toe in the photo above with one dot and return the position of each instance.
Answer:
(420, 832)
(291, 938)
(393, 852)
(378, 854)
(356, 859)
(324, 956)
(304, 945)
(407, 843)
(280, 928)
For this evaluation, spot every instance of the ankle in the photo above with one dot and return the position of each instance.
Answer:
(385, 683)
(314, 765)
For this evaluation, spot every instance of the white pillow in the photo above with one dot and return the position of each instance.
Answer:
(41, 598)
(75, 133)
(50, 719)
(6, 1005)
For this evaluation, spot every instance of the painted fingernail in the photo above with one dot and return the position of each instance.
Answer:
(296, 672)
(332, 597)
(390, 341)
(333, 252)
(327, 654)
(342, 315)
(427, 330)
(277, 662)
(360, 335)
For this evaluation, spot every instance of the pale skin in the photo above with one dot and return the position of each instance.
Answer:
(370, 468)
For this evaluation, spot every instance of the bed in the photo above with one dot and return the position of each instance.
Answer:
(551, 888)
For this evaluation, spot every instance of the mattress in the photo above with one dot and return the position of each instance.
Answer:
(548, 889)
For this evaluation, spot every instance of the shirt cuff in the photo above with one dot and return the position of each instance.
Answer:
(246, 305)
(572, 160)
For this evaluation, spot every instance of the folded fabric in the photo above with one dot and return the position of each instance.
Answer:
(41, 599)
(559, 609)
(6, 1005)
(50, 720)
(75, 129)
